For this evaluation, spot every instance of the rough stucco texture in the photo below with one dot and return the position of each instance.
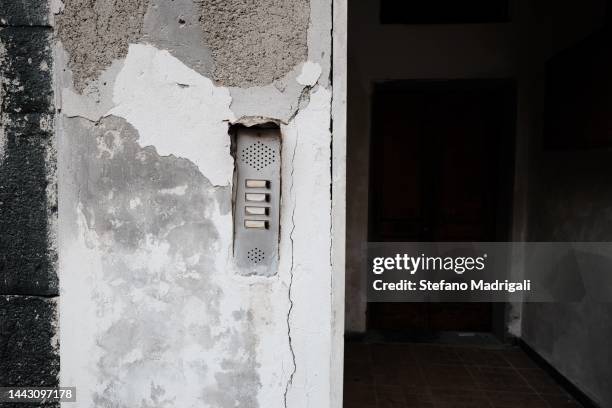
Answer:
(96, 32)
(255, 45)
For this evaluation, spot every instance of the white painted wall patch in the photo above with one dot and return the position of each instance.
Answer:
(311, 71)
(193, 120)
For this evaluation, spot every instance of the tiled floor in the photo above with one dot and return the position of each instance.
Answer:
(439, 376)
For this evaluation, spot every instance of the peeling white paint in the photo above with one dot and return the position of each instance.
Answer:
(311, 71)
(192, 121)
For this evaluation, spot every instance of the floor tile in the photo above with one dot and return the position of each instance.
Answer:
(489, 358)
(459, 398)
(354, 404)
(518, 359)
(392, 355)
(448, 376)
(386, 375)
(541, 381)
(411, 376)
(433, 354)
(390, 396)
(499, 379)
(418, 397)
(358, 372)
(357, 352)
(506, 399)
(560, 401)
(355, 394)
(438, 376)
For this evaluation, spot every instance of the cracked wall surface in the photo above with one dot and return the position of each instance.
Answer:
(155, 311)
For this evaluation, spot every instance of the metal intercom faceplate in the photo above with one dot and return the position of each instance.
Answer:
(257, 201)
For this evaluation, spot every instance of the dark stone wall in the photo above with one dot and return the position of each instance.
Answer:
(29, 353)
(27, 262)
(24, 13)
(26, 168)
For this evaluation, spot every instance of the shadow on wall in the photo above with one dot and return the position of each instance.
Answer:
(571, 201)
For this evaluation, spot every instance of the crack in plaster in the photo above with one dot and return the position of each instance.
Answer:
(291, 270)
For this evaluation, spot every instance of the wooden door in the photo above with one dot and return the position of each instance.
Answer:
(441, 170)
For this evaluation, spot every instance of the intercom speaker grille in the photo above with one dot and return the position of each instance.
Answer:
(258, 155)
(256, 255)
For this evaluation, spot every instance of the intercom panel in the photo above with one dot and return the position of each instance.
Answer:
(257, 200)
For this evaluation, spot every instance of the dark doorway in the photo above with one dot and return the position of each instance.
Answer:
(440, 170)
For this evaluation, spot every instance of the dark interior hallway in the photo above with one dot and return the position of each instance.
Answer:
(412, 375)
(478, 121)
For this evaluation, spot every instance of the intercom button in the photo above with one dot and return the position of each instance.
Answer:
(257, 183)
(257, 197)
(257, 210)
(256, 224)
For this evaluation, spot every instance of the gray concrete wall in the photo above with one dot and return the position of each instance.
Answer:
(29, 349)
(153, 310)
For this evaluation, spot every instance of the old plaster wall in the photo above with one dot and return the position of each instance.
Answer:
(153, 310)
